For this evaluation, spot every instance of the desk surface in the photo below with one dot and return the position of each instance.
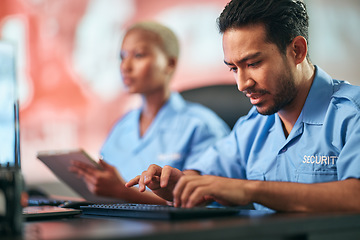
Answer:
(250, 224)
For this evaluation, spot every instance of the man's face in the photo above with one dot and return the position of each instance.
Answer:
(260, 70)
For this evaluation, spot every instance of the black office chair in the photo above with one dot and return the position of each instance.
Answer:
(224, 100)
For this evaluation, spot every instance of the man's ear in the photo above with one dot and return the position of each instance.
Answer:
(299, 49)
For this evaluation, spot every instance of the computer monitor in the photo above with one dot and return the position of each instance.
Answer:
(9, 108)
(11, 181)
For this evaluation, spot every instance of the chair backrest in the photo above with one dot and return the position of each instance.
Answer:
(225, 100)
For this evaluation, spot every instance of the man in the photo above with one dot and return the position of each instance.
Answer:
(297, 149)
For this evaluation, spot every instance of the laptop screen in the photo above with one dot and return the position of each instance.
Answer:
(9, 117)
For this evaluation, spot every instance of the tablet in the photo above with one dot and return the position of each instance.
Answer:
(60, 161)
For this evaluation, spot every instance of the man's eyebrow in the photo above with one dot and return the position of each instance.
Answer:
(251, 56)
(226, 63)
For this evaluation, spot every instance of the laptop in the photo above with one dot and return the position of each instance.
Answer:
(46, 212)
(10, 138)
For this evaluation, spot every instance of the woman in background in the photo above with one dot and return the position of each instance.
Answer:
(165, 130)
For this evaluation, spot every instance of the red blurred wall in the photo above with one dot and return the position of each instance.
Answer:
(59, 109)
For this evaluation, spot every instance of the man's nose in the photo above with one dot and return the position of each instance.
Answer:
(243, 80)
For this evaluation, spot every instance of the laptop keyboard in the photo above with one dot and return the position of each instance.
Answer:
(156, 211)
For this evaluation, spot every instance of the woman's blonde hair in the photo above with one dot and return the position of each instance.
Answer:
(168, 40)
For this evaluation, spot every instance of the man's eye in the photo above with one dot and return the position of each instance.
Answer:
(254, 64)
(233, 69)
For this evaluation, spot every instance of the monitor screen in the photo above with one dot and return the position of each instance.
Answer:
(9, 118)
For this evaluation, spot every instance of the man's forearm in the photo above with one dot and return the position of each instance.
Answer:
(134, 196)
(299, 197)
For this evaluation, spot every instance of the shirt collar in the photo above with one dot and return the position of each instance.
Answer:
(318, 99)
(175, 104)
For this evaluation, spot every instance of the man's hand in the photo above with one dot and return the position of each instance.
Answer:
(187, 191)
(192, 190)
(104, 182)
(161, 181)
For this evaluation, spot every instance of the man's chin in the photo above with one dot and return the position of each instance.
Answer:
(266, 111)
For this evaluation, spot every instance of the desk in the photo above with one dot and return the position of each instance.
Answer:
(250, 224)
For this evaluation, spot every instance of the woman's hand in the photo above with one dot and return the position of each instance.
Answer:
(103, 182)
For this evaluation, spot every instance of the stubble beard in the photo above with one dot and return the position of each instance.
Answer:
(285, 95)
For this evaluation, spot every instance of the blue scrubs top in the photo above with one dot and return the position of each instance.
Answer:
(323, 146)
(178, 135)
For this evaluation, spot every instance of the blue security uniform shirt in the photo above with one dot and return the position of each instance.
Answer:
(323, 146)
(177, 136)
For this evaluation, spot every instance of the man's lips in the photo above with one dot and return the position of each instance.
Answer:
(255, 98)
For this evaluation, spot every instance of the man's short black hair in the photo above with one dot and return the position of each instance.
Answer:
(283, 19)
